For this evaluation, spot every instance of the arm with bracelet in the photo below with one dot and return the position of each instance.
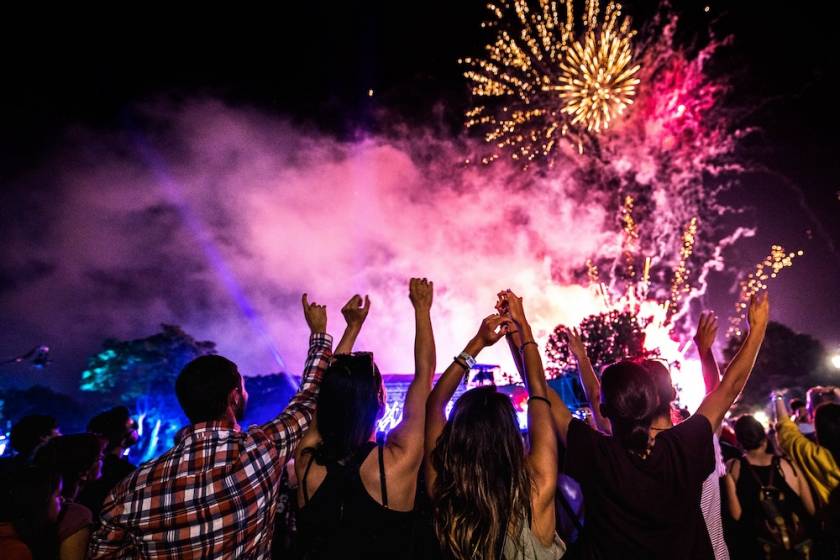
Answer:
(492, 329)
(542, 457)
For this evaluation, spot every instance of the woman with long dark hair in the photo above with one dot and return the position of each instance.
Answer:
(642, 492)
(491, 498)
(356, 496)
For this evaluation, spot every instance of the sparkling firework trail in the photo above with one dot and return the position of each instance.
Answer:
(631, 236)
(768, 268)
(539, 82)
(679, 285)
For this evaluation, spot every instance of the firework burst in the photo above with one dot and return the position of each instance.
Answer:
(538, 83)
(599, 78)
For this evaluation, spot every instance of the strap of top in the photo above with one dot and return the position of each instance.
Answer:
(774, 463)
(382, 484)
(303, 482)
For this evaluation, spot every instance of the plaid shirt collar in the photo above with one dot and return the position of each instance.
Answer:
(201, 427)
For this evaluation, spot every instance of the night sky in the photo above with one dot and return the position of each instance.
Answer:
(314, 64)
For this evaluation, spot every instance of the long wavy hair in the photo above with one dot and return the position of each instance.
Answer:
(350, 400)
(483, 486)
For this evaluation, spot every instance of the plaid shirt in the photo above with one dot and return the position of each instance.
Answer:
(215, 493)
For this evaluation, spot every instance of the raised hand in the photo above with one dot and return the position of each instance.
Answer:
(355, 311)
(706, 333)
(759, 312)
(421, 292)
(576, 345)
(493, 328)
(511, 305)
(316, 315)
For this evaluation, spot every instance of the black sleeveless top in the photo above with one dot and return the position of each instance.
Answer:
(341, 520)
(749, 485)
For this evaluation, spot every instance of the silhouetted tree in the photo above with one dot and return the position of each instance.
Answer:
(608, 337)
(141, 374)
(787, 359)
(17, 403)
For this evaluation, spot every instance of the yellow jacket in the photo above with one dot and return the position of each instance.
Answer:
(815, 461)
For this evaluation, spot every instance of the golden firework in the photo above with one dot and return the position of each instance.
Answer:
(599, 77)
(631, 236)
(539, 82)
(767, 268)
(679, 284)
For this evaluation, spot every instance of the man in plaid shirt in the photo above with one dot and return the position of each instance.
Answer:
(215, 493)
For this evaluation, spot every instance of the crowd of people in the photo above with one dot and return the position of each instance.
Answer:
(318, 482)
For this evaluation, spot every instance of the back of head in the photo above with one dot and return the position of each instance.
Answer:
(349, 401)
(72, 456)
(111, 425)
(482, 480)
(664, 386)
(750, 433)
(31, 431)
(827, 426)
(33, 509)
(204, 385)
(630, 401)
(796, 404)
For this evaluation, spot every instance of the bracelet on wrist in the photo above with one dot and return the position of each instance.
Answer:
(536, 398)
(526, 343)
(461, 363)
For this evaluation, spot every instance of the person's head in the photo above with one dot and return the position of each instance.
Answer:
(32, 431)
(797, 406)
(827, 427)
(116, 426)
(750, 433)
(817, 396)
(209, 389)
(350, 401)
(34, 504)
(665, 391)
(76, 457)
(629, 399)
(482, 474)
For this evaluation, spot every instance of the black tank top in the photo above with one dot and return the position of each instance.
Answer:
(749, 485)
(341, 520)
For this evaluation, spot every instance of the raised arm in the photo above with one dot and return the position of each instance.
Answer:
(716, 403)
(588, 379)
(704, 338)
(405, 441)
(355, 312)
(288, 428)
(542, 457)
(491, 330)
(560, 414)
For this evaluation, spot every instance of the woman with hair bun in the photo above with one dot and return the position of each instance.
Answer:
(642, 490)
